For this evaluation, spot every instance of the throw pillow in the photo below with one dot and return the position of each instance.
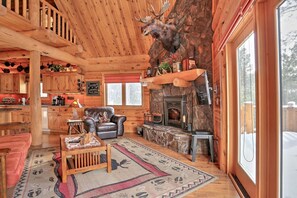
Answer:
(105, 117)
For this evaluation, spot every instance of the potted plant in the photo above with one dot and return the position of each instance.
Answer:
(55, 68)
(164, 68)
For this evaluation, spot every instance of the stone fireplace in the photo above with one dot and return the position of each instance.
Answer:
(175, 111)
(194, 19)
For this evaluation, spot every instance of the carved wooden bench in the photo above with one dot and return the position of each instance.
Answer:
(14, 127)
(13, 152)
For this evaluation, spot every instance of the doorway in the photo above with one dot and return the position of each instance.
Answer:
(242, 106)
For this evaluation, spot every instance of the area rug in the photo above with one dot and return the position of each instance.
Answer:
(137, 172)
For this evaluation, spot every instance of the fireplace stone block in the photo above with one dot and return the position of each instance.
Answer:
(170, 137)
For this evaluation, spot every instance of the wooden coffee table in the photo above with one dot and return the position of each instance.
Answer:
(83, 159)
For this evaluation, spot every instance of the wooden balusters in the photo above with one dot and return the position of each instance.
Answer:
(59, 25)
(8, 4)
(43, 16)
(54, 20)
(24, 12)
(63, 27)
(17, 6)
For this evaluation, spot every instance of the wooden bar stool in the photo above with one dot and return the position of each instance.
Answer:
(7, 128)
(201, 135)
(75, 126)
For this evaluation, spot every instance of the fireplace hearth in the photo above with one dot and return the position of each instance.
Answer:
(175, 111)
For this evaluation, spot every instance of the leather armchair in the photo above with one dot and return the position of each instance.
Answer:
(111, 129)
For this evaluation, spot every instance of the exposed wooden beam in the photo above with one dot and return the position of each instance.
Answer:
(154, 86)
(14, 54)
(73, 49)
(18, 40)
(177, 82)
(19, 54)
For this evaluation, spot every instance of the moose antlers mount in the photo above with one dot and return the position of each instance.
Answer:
(165, 32)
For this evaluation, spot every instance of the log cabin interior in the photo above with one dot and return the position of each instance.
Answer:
(209, 83)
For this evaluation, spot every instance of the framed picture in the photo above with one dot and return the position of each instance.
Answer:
(192, 64)
(93, 88)
(174, 67)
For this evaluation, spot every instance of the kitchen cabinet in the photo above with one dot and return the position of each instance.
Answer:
(21, 115)
(46, 83)
(13, 83)
(6, 83)
(58, 117)
(62, 82)
(19, 83)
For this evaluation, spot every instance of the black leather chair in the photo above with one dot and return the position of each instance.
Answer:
(111, 129)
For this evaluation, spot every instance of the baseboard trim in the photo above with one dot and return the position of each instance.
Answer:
(238, 186)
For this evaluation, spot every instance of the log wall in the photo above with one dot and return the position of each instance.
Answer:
(135, 115)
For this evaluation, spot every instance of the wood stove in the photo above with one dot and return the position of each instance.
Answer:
(175, 112)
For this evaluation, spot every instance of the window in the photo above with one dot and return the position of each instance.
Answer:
(247, 106)
(133, 94)
(287, 16)
(114, 94)
(123, 89)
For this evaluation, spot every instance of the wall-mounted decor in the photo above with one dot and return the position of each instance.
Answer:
(167, 33)
(93, 88)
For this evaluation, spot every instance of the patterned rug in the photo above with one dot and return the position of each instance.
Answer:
(137, 172)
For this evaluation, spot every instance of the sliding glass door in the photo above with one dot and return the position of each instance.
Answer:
(242, 104)
(246, 90)
(287, 15)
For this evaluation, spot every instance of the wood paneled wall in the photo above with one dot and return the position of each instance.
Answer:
(224, 14)
(135, 115)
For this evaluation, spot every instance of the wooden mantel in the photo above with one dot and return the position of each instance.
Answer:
(179, 79)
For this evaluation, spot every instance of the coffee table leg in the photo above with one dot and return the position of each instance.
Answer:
(64, 167)
(108, 153)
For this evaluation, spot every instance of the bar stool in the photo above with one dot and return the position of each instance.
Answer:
(75, 126)
(202, 135)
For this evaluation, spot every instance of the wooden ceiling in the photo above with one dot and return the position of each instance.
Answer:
(107, 28)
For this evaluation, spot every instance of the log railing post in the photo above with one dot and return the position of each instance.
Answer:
(34, 13)
(24, 12)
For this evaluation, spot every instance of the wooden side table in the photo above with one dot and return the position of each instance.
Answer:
(83, 159)
(76, 126)
(202, 135)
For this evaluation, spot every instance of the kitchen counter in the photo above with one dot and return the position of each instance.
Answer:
(19, 105)
(9, 109)
(5, 114)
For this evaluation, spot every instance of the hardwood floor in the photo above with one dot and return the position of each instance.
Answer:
(221, 187)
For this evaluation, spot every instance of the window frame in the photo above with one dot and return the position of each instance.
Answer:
(124, 96)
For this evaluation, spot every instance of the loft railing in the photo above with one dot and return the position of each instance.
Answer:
(52, 19)
(19, 7)
(49, 17)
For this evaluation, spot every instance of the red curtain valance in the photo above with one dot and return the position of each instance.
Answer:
(122, 78)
